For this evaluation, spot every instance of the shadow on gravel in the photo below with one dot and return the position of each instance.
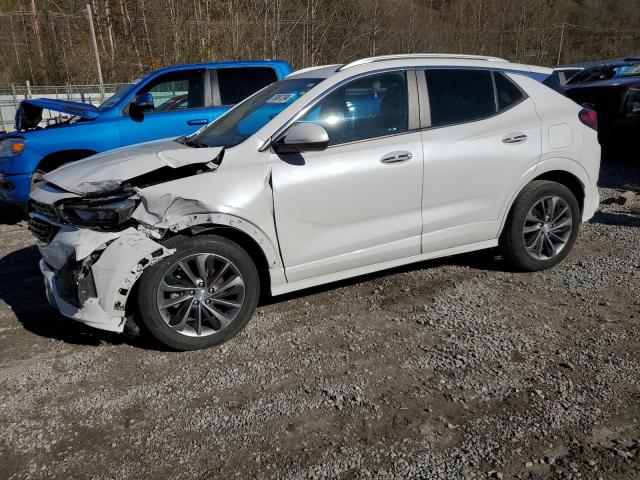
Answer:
(616, 219)
(21, 288)
(619, 172)
(10, 214)
(488, 260)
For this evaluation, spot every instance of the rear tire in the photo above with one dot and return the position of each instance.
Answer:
(542, 226)
(202, 295)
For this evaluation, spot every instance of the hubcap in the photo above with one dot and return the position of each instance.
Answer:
(200, 294)
(547, 228)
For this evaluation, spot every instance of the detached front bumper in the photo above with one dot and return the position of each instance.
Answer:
(89, 275)
(90, 313)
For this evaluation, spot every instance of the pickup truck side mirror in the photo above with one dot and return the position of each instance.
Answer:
(143, 102)
(303, 137)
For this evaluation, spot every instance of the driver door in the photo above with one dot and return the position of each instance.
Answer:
(181, 106)
(358, 202)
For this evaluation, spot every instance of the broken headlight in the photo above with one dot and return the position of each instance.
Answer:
(105, 213)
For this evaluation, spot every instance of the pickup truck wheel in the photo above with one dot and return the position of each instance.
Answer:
(542, 226)
(200, 296)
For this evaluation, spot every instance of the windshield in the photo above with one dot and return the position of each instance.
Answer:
(116, 97)
(606, 72)
(251, 115)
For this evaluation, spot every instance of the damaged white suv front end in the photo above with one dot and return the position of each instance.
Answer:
(100, 223)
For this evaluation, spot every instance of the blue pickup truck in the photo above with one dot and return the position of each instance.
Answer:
(170, 102)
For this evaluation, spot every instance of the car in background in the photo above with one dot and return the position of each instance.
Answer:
(612, 89)
(333, 172)
(562, 75)
(170, 102)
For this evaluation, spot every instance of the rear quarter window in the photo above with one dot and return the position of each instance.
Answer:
(507, 92)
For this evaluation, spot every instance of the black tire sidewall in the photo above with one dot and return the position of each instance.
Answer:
(512, 240)
(150, 316)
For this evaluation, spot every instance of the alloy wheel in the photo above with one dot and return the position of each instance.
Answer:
(547, 227)
(200, 294)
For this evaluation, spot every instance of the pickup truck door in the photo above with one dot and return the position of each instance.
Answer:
(182, 104)
(231, 85)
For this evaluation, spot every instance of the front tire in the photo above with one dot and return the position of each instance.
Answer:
(202, 295)
(542, 226)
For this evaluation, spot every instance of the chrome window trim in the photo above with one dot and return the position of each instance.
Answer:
(424, 104)
(413, 107)
(215, 87)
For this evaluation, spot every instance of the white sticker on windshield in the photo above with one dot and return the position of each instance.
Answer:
(281, 98)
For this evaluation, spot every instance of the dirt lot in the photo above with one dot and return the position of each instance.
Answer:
(457, 368)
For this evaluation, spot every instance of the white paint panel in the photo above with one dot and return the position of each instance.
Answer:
(560, 136)
(469, 172)
(343, 208)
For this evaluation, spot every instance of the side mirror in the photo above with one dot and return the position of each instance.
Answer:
(143, 102)
(303, 137)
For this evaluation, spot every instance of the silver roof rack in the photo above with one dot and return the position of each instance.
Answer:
(381, 58)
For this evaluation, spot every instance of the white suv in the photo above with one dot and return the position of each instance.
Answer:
(333, 172)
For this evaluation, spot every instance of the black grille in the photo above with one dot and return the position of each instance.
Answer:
(43, 209)
(42, 230)
(75, 283)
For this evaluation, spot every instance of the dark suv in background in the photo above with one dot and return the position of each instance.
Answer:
(612, 89)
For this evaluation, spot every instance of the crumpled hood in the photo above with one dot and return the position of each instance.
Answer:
(107, 171)
(78, 109)
(29, 113)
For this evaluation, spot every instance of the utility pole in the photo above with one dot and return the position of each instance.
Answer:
(561, 40)
(95, 51)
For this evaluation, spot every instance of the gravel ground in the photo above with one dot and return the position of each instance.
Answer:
(450, 369)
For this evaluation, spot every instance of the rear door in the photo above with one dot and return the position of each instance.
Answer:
(231, 85)
(182, 104)
(483, 135)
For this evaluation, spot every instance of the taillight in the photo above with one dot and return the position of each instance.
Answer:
(589, 118)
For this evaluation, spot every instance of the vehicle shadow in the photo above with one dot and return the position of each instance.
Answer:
(616, 219)
(619, 172)
(22, 288)
(487, 260)
(10, 214)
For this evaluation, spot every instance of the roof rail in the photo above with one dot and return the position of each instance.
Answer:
(381, 58)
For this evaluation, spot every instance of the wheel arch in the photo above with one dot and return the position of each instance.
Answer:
(54, 160)
(561, 170)
(244, 240)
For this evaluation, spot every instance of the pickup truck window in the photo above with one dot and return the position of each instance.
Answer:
(116, 97)
(179, 90)
(236, 84)
(251, 115)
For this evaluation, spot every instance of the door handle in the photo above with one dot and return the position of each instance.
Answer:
(197, 121)
(396, 157)
(515, 138)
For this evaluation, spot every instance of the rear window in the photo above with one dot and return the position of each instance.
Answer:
(459, 96)
(508, 93)
(236, 84)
